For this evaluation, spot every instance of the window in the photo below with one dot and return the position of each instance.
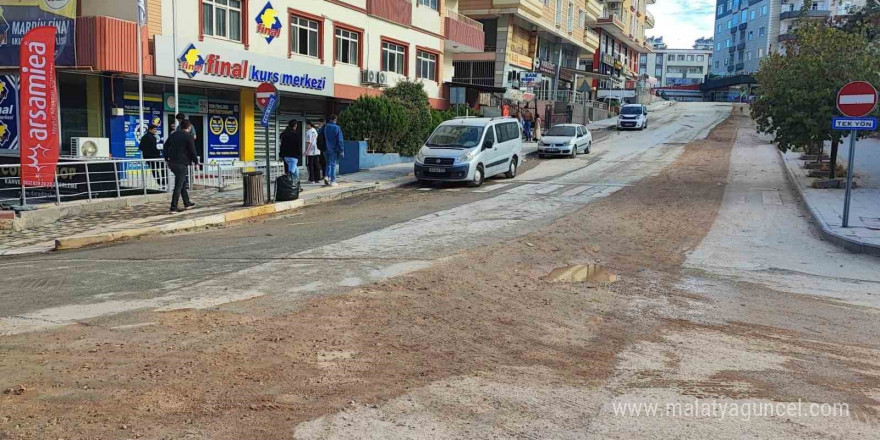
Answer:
(658, 72)
(744, 17)
(720, 10)
(222, 18)
(506, 132)
(718, 46)
(643, 58)
(582, 19)
(727, 43)
(729, 4)
(701, 57)
(570, 16)
(717, 64)
(749, 56)
(671, 57)
(304, 36)
(429, 3)
(426, 65)
(735, 21)
(347, 46)
(752, 14)
(690, 58)
(761, 32)
(558, 12)
(393, 57)
(718, 28)
(764, 10)
(681, 57)
(735, 4)
(726, 62)
(760, 53)
(728, 24)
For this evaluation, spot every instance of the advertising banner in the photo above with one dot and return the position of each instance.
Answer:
(8, 112)
(223, 131)
(17, 17)
(39, 107)
(133, 130)
(189, 104)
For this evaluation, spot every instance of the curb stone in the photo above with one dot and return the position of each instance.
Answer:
(77, 242)
(847, 243)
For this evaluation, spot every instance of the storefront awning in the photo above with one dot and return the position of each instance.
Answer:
(585, 73)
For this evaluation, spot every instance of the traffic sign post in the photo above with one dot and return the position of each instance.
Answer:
(267, 100)
(855, 100)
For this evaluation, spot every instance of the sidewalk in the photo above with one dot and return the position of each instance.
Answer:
(826, 208)
(213, 208)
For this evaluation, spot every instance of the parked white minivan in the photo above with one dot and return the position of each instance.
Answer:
(470, 150)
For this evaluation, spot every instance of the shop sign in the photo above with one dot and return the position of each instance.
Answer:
(618, 65)
(132, 129)
(566, 75)
(8, 112)
(217, 63)
(188, 103)
(545, 67)
(519, 60)
(17, 17)
(607, 59)
(223, 131)
(531, 77)
(268, 24)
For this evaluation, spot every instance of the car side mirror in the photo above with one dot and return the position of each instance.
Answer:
(488, 144)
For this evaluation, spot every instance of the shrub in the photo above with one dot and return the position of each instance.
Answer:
(378, 119)
(414, 99)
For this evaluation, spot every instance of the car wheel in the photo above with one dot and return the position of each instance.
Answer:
(574, 151)
(479, 176)
(511, 171)
(589, 146)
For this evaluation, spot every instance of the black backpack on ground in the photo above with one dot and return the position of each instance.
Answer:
(286, 189)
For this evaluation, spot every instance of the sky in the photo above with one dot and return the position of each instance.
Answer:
(680, 22)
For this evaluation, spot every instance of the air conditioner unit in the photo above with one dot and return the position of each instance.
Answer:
(368, 76)
(90, 148)
(382, 78)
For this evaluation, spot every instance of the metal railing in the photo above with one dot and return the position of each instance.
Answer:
(111, 178)
(570, 97)
(455, 15)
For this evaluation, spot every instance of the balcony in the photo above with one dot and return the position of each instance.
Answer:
(790, 36)
(733, 30)
(591, 39)
(731, 49)
(613, 26)
(398, 11)
(741, 46)
(819, 13)
(649, 20)
(463, 34)
(743, 26)
(730, 68)
(105, 44)
(740, 66)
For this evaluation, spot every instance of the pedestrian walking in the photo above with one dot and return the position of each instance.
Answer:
(291, 150)
(527, 125)
(537, 128)
(180, 153)
(313, 154)
(149, 147)
(334, 139)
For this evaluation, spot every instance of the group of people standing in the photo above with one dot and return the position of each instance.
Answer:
(323, 149)
(180, 153)
(530, 126)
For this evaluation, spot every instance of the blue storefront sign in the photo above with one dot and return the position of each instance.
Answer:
(8, 112)
(17, 17)
(133, 131)
(223, 131)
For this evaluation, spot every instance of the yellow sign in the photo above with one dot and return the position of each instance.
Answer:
(519, 60)
(65, 8)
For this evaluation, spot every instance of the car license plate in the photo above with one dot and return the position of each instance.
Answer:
(436, 170)
(552, 150)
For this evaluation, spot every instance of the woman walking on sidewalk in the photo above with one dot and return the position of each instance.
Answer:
(313, 155)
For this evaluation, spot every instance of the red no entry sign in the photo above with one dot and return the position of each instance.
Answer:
(857, 99)
(264, 92)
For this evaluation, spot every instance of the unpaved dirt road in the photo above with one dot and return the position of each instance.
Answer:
(434, 318)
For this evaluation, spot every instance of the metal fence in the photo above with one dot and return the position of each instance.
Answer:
(109, 178)
(569, 97)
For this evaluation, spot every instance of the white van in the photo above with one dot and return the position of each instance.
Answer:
(633, 116)
(471, 150)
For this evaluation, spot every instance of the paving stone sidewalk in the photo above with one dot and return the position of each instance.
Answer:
(826, 205)
(209, 202)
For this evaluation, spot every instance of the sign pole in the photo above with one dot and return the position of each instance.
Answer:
(268, 169)
(849, 176)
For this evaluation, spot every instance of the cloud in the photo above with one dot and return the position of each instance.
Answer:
(680, 22)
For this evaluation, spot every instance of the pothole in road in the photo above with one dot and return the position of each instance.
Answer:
(581, 273)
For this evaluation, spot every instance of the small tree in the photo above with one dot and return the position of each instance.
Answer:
(414, 99)
(864, 21)
(797, 92)
(379, 120)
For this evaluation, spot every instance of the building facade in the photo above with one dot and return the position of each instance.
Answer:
(546, 38)
(622, 40)
(676, 67)
(320, 54)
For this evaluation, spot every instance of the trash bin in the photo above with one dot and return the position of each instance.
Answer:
(252, 187)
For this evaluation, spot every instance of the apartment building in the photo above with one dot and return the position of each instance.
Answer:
(748, 30)
(675, 67)
(320, 54)
(621, 30)
(546, 37)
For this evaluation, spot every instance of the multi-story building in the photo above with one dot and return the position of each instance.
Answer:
(543, 36)
(621, 30)
(675, 67)
(704, 43)
(320, 54)
(748, 30)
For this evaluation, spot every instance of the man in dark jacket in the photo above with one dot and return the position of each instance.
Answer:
(149, 147)
(334, 150)
(180, 153)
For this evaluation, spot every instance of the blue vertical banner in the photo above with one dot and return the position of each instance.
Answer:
(9, 112)
(133, 130)
(17, 17)
(223, 131)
